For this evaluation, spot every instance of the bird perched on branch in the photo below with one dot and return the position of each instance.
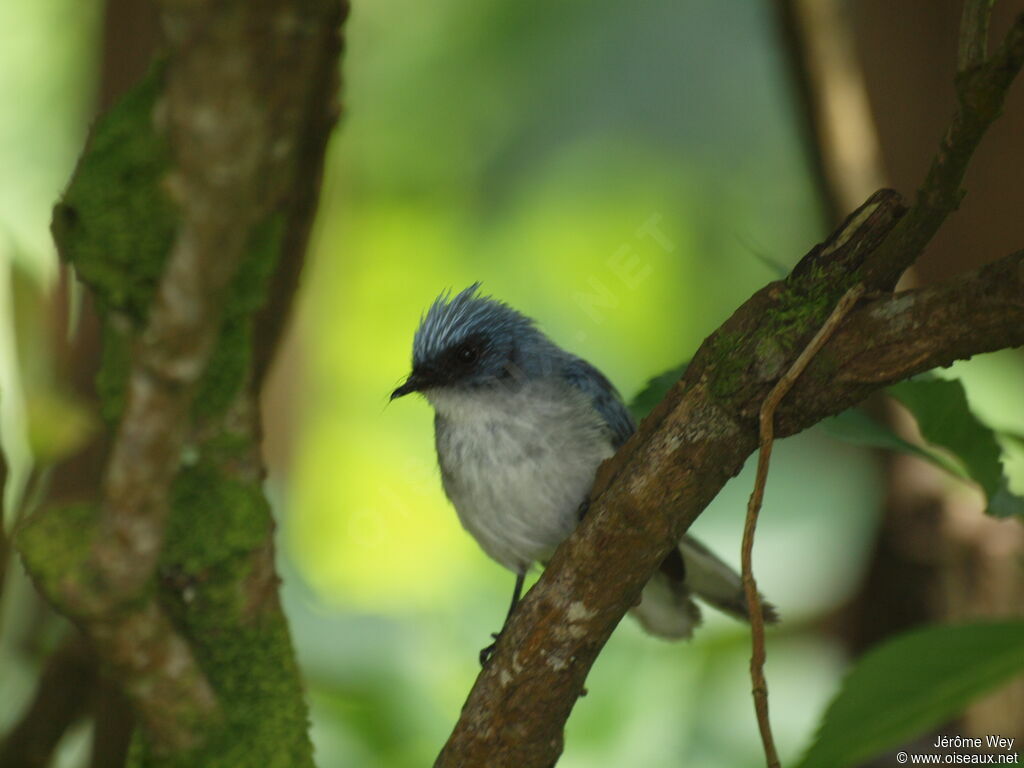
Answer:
(521, 427)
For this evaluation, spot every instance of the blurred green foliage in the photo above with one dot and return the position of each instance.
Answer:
(617, 174)
(611, 174)
(621, 173)
(47, 85)
(585, 167)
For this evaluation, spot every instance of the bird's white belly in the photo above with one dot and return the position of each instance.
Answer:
(518, 469)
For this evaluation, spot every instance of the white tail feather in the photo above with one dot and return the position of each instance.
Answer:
(666, 607)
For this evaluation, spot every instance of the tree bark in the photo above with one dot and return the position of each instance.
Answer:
(682, 455)
(190, 206)
(648, 494)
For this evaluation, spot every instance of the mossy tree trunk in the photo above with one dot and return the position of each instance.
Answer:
(187, 216)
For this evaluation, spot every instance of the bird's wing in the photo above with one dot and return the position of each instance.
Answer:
(606, 400)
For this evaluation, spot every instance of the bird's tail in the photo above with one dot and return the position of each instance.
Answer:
(666, 607)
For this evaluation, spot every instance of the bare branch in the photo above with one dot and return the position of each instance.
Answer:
(981, 91)
(973, 47)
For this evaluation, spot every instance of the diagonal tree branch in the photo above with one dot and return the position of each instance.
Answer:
(684, 453)
(700, 435)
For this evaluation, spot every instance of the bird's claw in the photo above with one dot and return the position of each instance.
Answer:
(486, 653)
(583, 508)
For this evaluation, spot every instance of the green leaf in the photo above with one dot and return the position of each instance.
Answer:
(945, 419)
(654, 391)
(856, 427)
(969, 449)
(912, 683)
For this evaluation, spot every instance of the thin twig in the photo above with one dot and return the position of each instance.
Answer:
(973, 47)
(767, 422)
(981, 91)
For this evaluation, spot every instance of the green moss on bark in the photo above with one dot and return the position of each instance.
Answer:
(116, 225)
(213, 587)
(115, 362)
(55, 545)
(214, 519)
(793, 310)
(230, 362)
(260, 695)
(730, 363)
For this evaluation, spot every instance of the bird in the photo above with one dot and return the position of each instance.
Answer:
(520, 427)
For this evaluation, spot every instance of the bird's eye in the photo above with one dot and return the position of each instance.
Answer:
(467, 354)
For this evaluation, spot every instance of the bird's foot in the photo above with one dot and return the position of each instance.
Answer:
(583, 508)
(486, 653)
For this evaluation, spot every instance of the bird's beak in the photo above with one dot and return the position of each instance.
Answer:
(414, 383)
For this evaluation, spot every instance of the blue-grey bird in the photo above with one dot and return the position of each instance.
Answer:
(521, 427)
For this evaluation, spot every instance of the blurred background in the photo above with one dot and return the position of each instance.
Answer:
(627, 175)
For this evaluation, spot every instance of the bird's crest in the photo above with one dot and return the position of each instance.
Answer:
(451, 319)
